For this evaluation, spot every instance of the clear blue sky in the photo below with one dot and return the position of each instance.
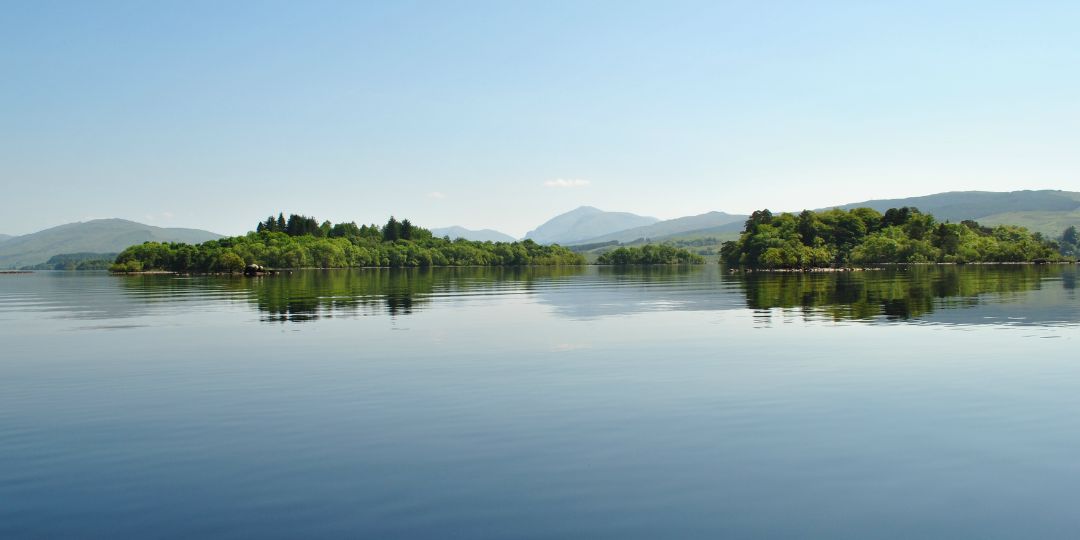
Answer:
(502, 114)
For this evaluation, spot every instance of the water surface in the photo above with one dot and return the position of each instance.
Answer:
(541, 403)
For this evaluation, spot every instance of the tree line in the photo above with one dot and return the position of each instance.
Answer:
(300, 225)
(650, 254)
(303, 242)
(863, 236)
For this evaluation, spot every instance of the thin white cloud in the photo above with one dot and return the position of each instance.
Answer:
(566, 183)
(436, 195)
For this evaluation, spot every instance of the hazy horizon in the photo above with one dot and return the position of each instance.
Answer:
(500, 116)
(495, 228)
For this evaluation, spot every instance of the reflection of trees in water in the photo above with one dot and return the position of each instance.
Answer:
(591, 292)
(892, 293)
(612, 290)
(309, 295)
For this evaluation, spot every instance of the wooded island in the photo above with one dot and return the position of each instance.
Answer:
(303, 242)
(864, 237)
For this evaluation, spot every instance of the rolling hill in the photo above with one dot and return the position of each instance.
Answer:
(98, 236)
(482, 235)
(5, 237)
(1046, 211)
(584, 223)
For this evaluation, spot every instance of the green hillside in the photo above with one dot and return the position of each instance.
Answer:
(97, 236)
(1047, 211)
(1048, 223)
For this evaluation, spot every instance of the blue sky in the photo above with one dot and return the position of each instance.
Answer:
(502, 114)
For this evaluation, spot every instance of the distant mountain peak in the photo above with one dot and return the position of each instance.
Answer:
(585, 222)
(585, 209)
(671, 227)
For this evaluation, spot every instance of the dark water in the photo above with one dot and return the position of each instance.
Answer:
(542, 403)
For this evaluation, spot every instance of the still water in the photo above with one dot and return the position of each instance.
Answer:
(542, 403)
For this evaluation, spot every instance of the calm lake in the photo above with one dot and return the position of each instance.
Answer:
(542, 403)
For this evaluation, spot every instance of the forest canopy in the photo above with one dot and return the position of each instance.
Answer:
(303, 242)
(863, 236)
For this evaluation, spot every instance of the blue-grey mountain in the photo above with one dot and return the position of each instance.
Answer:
(584, 223)
(482, 235)
(671, 227)
(98, 236)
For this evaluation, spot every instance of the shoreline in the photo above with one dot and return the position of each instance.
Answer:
(883, 266)
(823, 269)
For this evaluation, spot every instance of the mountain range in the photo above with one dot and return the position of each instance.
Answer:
(97, 236)
(482, 235)
(1047, 211)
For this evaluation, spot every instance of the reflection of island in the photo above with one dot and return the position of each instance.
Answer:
(577, 292)
(975, 294)
(314, 294)
(310, 295)
(942, 294)
(920, 292)
(611, 290)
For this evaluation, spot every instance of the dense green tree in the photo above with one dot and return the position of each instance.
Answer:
(342, 230)
(229, 261)
(863, 236)
(392, 230)
(1069, 244)
(1070, 236)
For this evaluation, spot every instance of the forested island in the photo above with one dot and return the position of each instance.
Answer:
(827, 239)
(863, 236)
(303, 242)
(650, 254)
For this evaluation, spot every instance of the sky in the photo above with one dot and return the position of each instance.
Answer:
(503, 114)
